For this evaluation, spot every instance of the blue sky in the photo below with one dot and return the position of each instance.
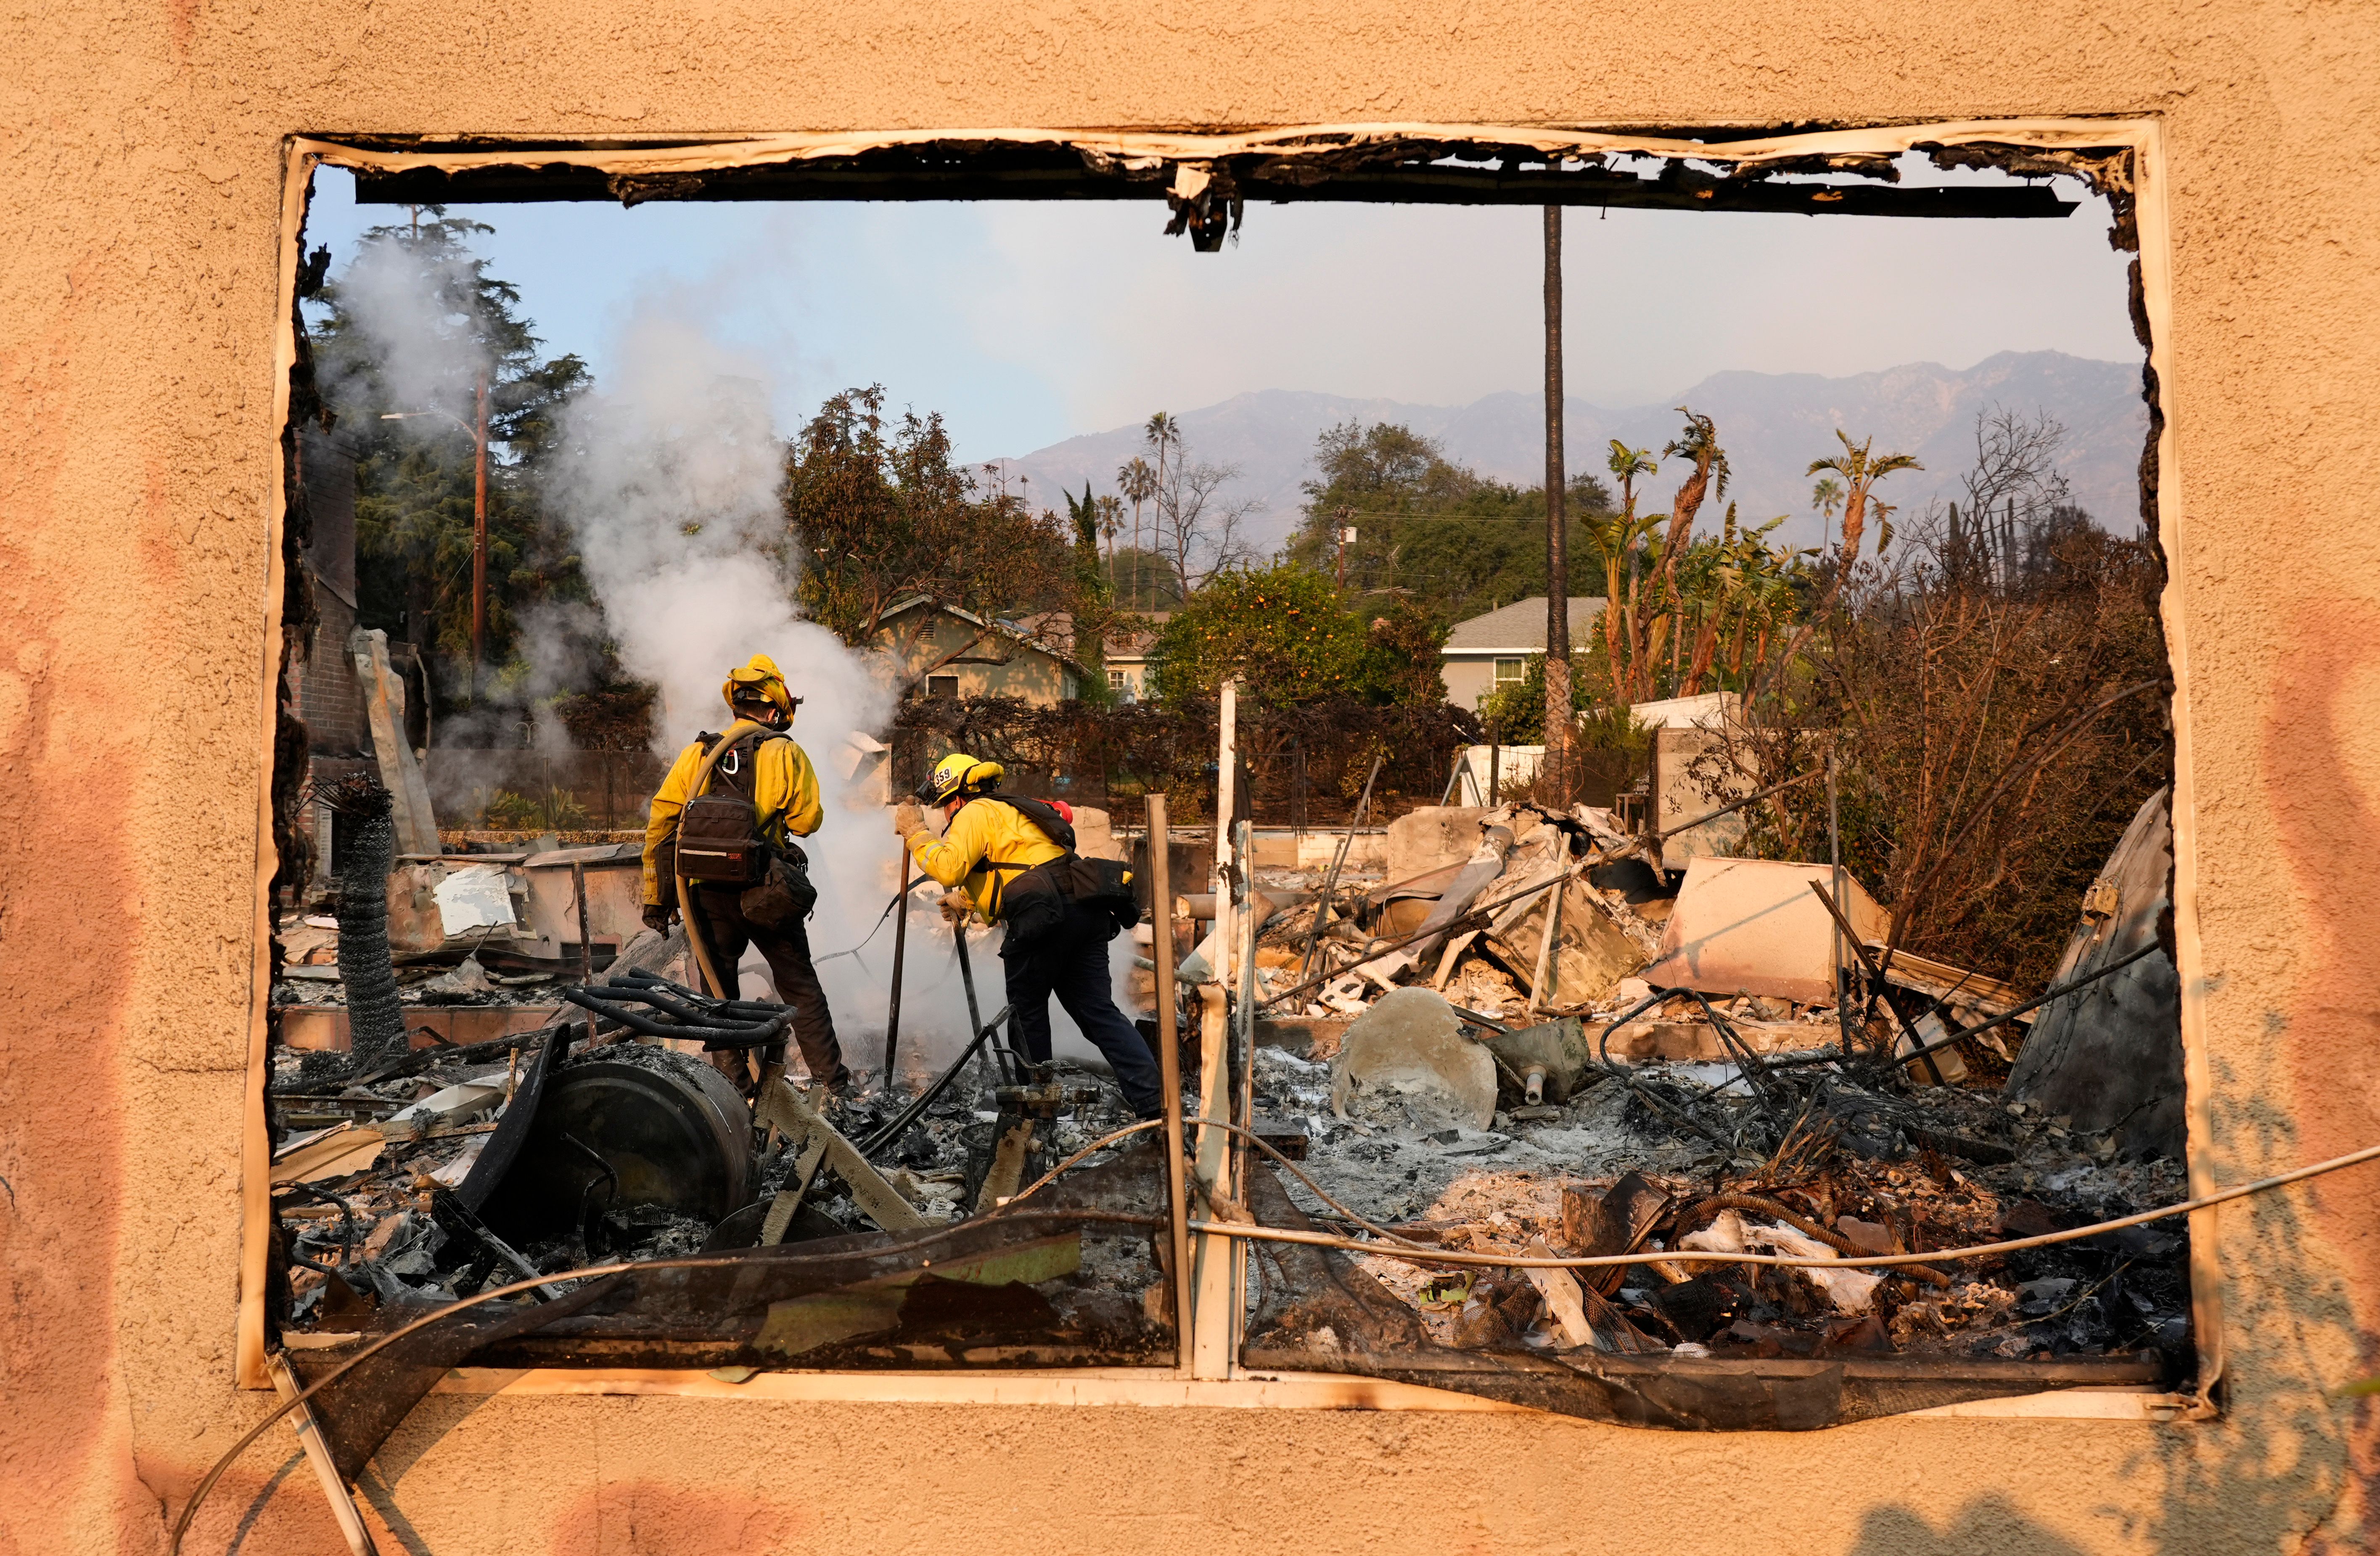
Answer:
(1025, 324)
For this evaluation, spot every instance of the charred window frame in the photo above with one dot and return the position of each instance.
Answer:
(1205, 181)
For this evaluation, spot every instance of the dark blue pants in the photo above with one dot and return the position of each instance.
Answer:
(1072, 962)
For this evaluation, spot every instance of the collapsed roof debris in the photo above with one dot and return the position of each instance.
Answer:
(1684, 1075)
(1207, 179)
(1538, 1044)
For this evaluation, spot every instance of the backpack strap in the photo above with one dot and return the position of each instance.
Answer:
(1044, 816)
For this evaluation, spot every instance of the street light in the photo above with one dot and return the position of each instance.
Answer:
(478, 436)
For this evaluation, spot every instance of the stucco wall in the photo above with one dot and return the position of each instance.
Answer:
(912, 646)
(1468, 679)
(142, 188)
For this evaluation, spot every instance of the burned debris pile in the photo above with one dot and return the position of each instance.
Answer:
(585, 1142)
(1525, 1036)
(1545, 1043)
(636, 1120)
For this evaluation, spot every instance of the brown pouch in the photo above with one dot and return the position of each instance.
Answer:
(719, 841)
(784, 896)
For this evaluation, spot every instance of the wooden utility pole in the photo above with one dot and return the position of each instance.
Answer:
(479, 540)
(1553, 777)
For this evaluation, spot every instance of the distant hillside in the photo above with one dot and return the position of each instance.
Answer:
(1771, 424)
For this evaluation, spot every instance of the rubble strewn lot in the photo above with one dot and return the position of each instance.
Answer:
(1729, 1120)
(485, 1130)
(1527, 1041)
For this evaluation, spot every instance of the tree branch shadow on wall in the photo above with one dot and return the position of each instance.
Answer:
(2283, 1460)
(1987, 1526)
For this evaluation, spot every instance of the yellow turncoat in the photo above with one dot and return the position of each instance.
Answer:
(983, 831)
(784, 794)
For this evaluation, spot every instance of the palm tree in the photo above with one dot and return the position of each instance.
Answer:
(1707, 477)
(1163, 432)
(1627, 464)
(1826, 496)
(1618, 539)
(1860, 470)
(1698, 442)
(1139, 484)
(1110, 511)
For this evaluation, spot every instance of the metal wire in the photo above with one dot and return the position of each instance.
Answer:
(1410, 1252)
(1793, 1261)
(1100, 1144)
(1253, 1139)
(691, 1261)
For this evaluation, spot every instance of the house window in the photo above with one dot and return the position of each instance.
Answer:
(942, 685)
(1511, 672)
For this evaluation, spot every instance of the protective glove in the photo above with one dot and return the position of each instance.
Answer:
(957, 905)
(907, 820)
(659, 914)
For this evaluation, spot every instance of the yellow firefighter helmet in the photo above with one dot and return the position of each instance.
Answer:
(758, 680)
(956, 775)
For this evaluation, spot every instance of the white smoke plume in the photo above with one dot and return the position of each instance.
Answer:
(414, 308)
(673, 486)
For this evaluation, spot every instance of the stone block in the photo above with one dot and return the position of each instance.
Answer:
(1408, 1056)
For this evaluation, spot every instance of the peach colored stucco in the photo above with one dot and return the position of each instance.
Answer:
(143, 149)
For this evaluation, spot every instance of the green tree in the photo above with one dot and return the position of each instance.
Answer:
(1401, 662)
(1516, 709)
(1740, 590)
(1283, 633)
(883, 516)
(1091, 605)
(1452, 540)
(400, 341)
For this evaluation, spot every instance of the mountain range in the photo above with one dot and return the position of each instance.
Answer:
(1772, 426)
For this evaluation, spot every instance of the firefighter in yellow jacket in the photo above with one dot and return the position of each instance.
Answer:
(776, 775)
(988, 841)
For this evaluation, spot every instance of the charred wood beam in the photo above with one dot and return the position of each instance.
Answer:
(1040, 173)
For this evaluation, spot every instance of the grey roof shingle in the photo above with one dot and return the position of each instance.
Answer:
(1520, 628)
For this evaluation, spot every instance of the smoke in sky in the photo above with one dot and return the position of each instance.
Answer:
(669, 476)
(672, 485)
(416, 310)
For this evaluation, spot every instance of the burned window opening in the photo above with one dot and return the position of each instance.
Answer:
(666, 1323)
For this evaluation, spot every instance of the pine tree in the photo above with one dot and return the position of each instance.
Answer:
(400, 341)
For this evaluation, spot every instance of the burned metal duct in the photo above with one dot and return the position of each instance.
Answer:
(375, 1018)
(627, 1127)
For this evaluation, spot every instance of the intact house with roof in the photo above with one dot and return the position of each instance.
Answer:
(942, 651)
(1494, 650)
(1129, 642)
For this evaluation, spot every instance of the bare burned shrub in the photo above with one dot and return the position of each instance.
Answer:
(1992, 741)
